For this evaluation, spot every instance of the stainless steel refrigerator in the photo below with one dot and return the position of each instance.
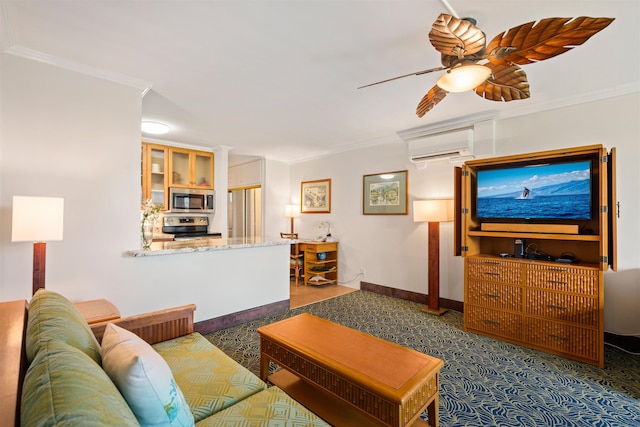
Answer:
(245, 213)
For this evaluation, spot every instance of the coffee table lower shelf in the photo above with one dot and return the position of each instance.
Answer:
(330, 408)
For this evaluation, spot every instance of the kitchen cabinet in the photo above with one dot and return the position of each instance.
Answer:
(164, 166)
(191, 168)
(320, 263)
(246, 174)
(155, 177)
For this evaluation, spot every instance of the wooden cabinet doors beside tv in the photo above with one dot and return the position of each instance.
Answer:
(539, 303)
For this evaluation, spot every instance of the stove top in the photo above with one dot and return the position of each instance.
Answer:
(186, 226)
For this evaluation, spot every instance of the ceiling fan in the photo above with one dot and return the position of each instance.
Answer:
(493, 70)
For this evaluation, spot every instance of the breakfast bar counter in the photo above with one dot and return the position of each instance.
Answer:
(222, 275)
(205, 245)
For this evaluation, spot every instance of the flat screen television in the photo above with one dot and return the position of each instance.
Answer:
(556, 192)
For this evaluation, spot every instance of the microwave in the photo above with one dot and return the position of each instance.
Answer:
(191, 200)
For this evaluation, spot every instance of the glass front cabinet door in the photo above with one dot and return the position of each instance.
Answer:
(155, 165)
(191, 168)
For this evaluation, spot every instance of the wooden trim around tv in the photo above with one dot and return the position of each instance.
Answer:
(530, 228)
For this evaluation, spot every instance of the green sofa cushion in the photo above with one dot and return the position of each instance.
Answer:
(64, 387)
(272, 407)
(53, 317)
(209, 379)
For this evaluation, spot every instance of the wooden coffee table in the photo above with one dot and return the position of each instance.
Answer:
(348, 377)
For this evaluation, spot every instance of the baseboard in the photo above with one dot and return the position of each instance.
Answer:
(233, 319)
(410, 296)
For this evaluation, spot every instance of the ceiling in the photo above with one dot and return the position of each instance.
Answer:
(279, 78)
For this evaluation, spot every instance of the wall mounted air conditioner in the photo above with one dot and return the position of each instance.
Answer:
(442, 155)
(455, 145)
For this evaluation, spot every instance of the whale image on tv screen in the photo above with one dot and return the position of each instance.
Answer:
(558, 191)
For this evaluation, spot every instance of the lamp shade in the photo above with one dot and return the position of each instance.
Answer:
(437, 210)
(292, 211)
(463, 77)
(37, 219)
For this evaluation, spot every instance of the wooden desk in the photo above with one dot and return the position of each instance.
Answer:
(97, 310)
(348, 377)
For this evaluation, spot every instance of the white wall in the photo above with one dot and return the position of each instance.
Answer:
(77, 137)
(392, 249)
(69, 135)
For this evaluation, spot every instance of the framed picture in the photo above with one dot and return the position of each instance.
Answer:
(315, 196)
(385, 193)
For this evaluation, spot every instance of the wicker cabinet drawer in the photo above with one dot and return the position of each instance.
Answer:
(579, 309)
(494, 270)
(543, 305)
(560, 278)
(495, 295)
(494, 322)
(565, 338)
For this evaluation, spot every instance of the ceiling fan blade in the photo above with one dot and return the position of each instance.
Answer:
(456, 37)
(548, 38)
(430, 100)
(430, 70)
(507, 83)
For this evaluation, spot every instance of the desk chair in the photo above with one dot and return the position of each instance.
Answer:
(296, 259)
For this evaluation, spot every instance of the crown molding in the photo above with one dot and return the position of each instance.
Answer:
(34, 55)
(584, 98)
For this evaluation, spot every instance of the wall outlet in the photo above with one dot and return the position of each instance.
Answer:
(363, 271)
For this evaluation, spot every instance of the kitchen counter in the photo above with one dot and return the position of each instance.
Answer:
(206, 244)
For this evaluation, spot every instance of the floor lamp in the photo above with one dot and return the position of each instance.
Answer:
(292, 211)
(37, 220)
(434, 212)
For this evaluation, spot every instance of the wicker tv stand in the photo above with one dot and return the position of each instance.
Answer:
(348, 377)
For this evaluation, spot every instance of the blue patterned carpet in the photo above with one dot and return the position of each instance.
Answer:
(484, 382)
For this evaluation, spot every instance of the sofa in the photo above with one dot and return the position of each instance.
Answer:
(151, 369)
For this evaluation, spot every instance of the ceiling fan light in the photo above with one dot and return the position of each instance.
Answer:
(463, 78)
